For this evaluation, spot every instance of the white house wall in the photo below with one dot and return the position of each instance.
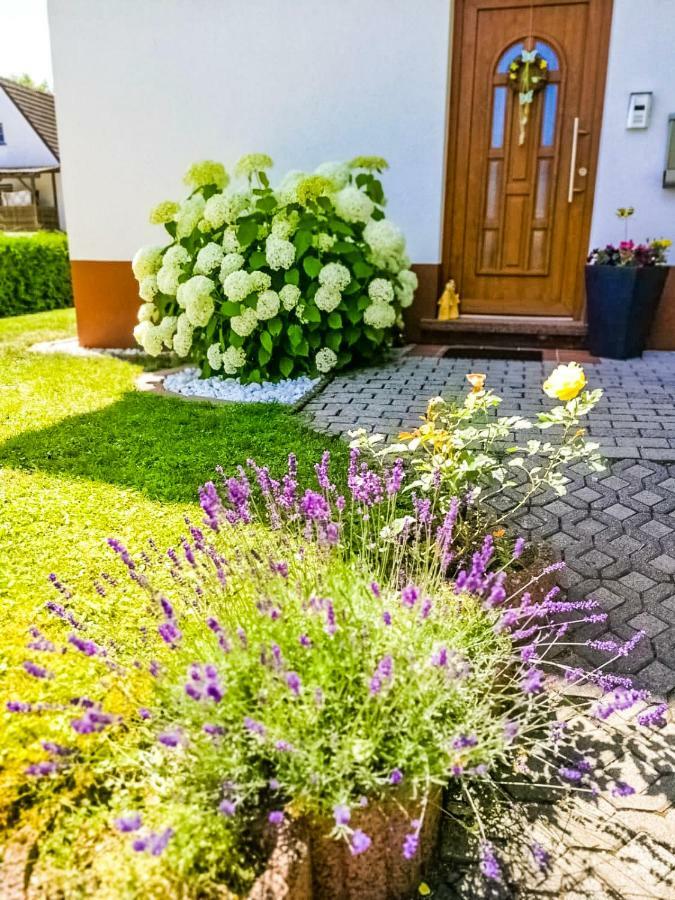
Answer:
(630, 169)
(22, 147)
(143, 89)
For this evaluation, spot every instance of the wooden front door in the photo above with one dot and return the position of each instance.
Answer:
(519, 197)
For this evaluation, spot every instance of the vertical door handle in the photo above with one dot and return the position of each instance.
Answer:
(573, 159)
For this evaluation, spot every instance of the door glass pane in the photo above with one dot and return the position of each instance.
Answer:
(492, 200)
(548, 53)
(549, 115)
(507, 58)
(498, 114)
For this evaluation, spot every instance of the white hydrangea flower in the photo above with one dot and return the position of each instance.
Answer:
(214, 356)
(280, 254)
(327, 298)
(325, 360)
(237, 286)
(199, 310)
(353, 205)
(245, 323)
(221, 209)
(386, 243)
(167, 329)
(379, 315)
(231, 241)
(338, 172)
(167, 280)
(176, 257)
(260, 281)
(268, 305)
(286, 191)
(146, 261)
(147, 288)
(323, 241)
(289, 296)
(285, 223)
(208, 258)
(189, 214)
(405, 290)
(382, 290)
(335, 275)
(182, 341)
(233, 359)
(146, 311)
(149, 337)
(232, 262)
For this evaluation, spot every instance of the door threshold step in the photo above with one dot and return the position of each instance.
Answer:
(534, 325)
(525, 332)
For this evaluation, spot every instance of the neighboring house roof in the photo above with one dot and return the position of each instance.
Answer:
(37, 107)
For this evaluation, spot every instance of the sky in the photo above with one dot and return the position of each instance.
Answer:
(24, 39)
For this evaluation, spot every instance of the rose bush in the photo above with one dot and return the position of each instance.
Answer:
(270, 283)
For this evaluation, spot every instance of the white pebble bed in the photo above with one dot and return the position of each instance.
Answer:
(188, 383)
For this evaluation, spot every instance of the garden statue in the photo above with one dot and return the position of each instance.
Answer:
(448, 304)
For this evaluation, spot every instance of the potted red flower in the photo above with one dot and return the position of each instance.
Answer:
(624, 284)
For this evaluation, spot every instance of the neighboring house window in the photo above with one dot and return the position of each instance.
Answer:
(2, 134)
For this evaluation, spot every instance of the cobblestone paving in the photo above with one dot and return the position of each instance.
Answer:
(616, 531)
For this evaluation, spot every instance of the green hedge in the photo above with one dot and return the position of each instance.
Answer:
(34, 273)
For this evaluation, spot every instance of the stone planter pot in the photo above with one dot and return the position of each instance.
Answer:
(306, 864)
(621, 305)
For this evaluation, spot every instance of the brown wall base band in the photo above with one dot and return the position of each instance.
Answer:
(106, 300)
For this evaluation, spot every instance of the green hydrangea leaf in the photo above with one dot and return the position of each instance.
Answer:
(312, 266)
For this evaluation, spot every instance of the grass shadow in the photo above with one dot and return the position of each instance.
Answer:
(165, 447)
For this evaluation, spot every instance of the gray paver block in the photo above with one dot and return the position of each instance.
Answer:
(619, 511)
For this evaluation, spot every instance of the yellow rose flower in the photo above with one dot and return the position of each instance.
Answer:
(565, 382)
(477, 382)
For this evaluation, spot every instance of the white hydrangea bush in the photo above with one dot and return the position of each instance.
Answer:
(268, 283)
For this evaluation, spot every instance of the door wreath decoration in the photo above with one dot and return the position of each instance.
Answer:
(528, 74)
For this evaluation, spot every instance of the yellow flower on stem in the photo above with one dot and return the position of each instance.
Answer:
(424, 890)
(565, 382)
(477, 382)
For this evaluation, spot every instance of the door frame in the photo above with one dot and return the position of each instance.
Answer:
(453, 231)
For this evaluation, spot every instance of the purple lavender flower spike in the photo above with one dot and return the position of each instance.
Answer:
(411, 845)
(410, 595)
(17, 706)
(42, 769)
(227, 807)
(386, 617)
(570, 773)
(293, 683)
(314, 507)
(511, 730)
(655, 718)
(375, 589)
(489, 864)
(305, 641)
(254, 727)
(276, 817)
(621, 789)
(35, 670)
(169, 633)
(396, 776)
(518, 547)
(360, 842)
(321, 470)
(541, 856)
(211, 504)
(464, 741)
(533, 681)
(169, 738)
(395, 477)
(341, 814)
(128, 823)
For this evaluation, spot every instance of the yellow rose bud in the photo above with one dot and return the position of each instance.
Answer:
(565, 382)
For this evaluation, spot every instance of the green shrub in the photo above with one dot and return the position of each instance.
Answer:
(271, 283)
(34, 273)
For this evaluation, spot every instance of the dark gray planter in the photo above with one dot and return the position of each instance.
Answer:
(621, 304)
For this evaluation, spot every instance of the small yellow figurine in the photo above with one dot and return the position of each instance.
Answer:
(448, 304)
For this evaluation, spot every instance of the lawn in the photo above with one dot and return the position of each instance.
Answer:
(84, 456)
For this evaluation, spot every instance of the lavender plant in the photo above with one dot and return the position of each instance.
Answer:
(289, 663)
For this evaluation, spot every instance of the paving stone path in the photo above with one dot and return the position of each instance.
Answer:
(616, 532)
